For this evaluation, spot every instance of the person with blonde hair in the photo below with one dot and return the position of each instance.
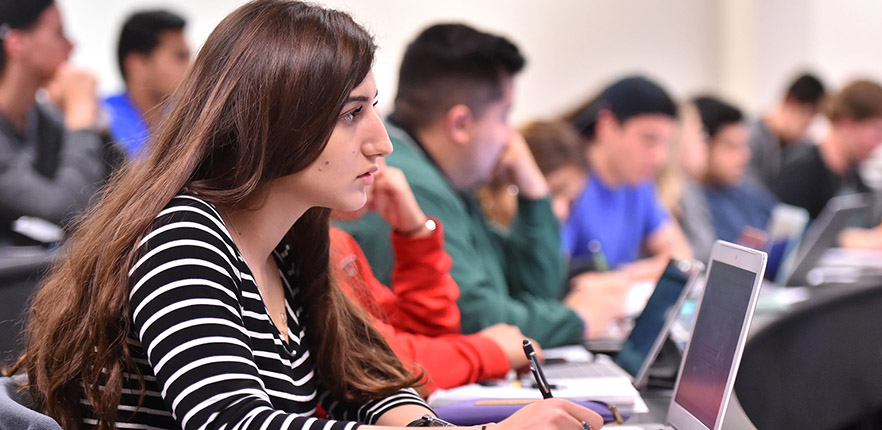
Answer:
(678, 182)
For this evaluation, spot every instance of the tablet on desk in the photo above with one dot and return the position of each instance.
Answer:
(650, 331)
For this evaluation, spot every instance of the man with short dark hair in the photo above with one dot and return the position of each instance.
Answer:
(735, 201)
(784, 128)
(451, 133)
(153, 57)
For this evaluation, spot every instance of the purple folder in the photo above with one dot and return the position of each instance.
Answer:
(482, 411)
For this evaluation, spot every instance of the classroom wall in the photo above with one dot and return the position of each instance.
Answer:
(742, 49)
(837, 40)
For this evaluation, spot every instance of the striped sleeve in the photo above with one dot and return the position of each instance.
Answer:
(370, 412)
(186, 308)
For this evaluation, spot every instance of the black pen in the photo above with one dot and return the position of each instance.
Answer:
(537, 370)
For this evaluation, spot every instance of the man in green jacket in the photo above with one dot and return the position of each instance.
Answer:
(451, 133)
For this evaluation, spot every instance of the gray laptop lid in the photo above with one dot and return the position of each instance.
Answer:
(822, 234)
(707, 374)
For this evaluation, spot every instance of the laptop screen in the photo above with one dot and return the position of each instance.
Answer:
(714, 341)
(652, 320)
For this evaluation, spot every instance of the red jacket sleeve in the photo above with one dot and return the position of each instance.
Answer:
(448, 361)
(423, 295)
(426, 293)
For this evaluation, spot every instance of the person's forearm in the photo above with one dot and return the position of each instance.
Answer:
(534, 243)
(399, 417)
(669, 241)
(484, 427)
(861, 238)
(426, 293)
(647, 269)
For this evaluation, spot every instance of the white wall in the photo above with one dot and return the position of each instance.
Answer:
(743, 49)
(846, 39)
(573, 47)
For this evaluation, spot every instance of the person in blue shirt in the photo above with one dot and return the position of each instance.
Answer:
(736, 201)
(153, 57)
(628, 128)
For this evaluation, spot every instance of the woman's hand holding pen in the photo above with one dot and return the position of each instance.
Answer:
(509, 338)
(551, 414)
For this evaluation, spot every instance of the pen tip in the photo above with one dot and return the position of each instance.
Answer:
(526, 342)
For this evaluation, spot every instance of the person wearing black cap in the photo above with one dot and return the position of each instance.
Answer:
(49, 166)
(628, 128)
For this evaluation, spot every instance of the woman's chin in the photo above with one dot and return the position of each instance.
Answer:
(351, 205)
(349, 215)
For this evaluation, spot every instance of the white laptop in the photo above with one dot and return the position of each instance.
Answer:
(710, 363)
(650, 331)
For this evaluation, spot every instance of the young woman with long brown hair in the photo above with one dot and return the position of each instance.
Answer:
(197, 293)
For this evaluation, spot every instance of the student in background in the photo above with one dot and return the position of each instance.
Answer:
(418, 315)
(627, 128)
(152, 55)
(50, 162)
(557, 149)
(679, 186)
(198, 292)
(735, 201)
(813, 174)
(451, 132)
(783, 128)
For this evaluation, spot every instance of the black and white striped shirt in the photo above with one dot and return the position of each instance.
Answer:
(209, 352)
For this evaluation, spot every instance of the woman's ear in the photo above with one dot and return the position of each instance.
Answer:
(458, 123)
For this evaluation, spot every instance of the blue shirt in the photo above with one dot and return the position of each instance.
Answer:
(620, 218)
(733, 208)
(127, 124)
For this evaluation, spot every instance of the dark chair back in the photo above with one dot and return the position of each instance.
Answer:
(817, 367)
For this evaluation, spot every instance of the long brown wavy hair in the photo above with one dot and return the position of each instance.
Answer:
(259, 103)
